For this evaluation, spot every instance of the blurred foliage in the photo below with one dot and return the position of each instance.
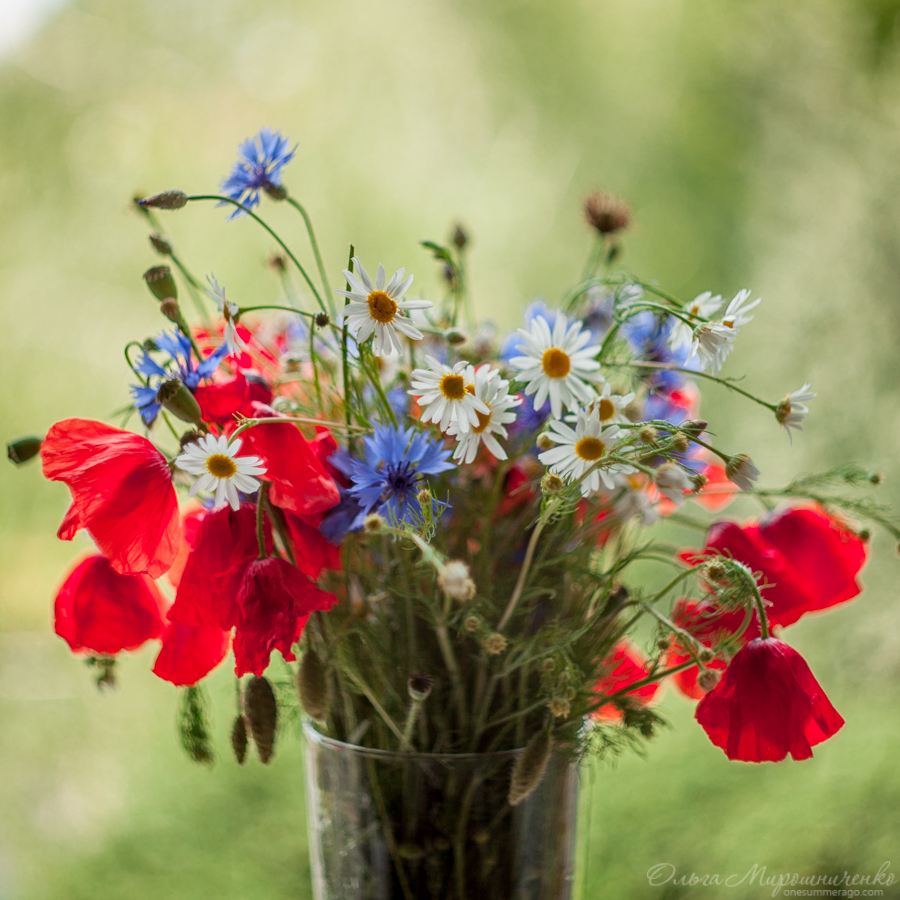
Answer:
(758, 143)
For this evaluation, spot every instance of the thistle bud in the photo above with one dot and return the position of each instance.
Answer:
(239, 739)
(455, 336)
(419, 686)
(161, 283)
(24, 448)
(551, 483)
(680, 443)
(694, 427)
(321, 320)
(179, 401)
(373, 523)
(606, 213)
(545, 442)
(494, 644)
(312, 685)
(528, 772)
(261, 713)
(171, 310)
(460, 238)
(161, 245)
(165, 200)
(275, 191)
(707, 680)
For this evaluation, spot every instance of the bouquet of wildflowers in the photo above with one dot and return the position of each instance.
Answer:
(443, 526)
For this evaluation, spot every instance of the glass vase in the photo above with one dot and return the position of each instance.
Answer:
(416, 826)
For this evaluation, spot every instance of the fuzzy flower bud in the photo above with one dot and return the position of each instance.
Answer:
(706, 655)
(698, 482)
(455, 582)
(494, 644)
(559, 708)
(672, 482)
(261, 714)
(373, 523)
(528, 772)
(165, 200)
(694, 427)
(680, 443)
(551, 483)
(239, 740)
(606, 213)
(545, 442)
(708, 679)
(455, 336)
(161, 283)
(275, 191)
(179, 401)
(648, 434)
(24, 448)
(312, 685)
(741, 471)
(471, 624)
(419, 687)
(424, 497)
(715, 572)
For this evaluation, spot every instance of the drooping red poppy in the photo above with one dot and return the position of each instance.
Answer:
(809, 559)
(623, 667)
(272, 599)
(312, 551)
(768, 704)
(122, 494)
(225, 543)
(190, 524)
(299, 481)
(97, 610)
(190, 652)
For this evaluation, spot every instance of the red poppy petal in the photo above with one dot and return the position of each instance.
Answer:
(219, 402)
(190, 652)
(312, 552)
(190, 523)
(623, 667)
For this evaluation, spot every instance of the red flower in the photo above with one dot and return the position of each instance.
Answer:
(273, 601)
(312, 551)
(221, 400)
(122, 494)
(225, 543)
(97, 610)
(190, 525)
(299, 481)
(189, 652)
(768, 704)
(624, 666)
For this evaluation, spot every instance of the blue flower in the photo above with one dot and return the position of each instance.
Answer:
(259, 165)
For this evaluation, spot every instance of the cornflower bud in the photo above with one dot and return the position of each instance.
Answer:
(419, 686)
(494, 644)
(694, 427)
(648, 434)
(161, 283)
(373, 523)
(606, 212)
(161, 245)
(165, 200)
(179, 401)
(559, 708)
(261, 713)
(312, 685)
(239, 740)
(24, 448)
(528, 772)
(551, 483)
(275, 191)
(454, 580)
(740, 470)
(708, 679)
(545, 442)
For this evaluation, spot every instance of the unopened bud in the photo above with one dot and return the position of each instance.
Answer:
(460, 238)
(471, 624)
(171, 310)
(705, 655)
(261, 713)
(179, 401)
(545, 442)
(275, 191)
(419, 686)
(424, 497)
(715, 572)
(165, 200)
(634, 411)
(24, 448)
(707, 680)
(528, 772)
(551, 483)
(680, 443)
(559, 708)
(454, 580)
(373, 523)
(312, 685)
(277, 262)
(455, 336)
(239, 740)
(161, 245)
(698, 482)
(694, 427)
(648, 434)
(322, 320)
(742, 471)
(150, 345)
(161, 283)
(494, 644)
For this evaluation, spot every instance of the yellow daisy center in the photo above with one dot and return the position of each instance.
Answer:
(556, 363)
(590, 448)
(453, 387)
(484, 419)
(220, 466)
(606, 409)
(381, 307)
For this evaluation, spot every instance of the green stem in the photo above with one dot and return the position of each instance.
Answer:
(260, 517)
(313, 243)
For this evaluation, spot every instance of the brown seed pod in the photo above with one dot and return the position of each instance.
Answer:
(239, 739)
(312, 686)
(261, 714)
(528, 772)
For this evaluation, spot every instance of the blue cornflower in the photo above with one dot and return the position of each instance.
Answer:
(178, 347)
(259, 165)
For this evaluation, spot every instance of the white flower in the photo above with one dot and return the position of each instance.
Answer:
(793, 409)
(634, 504)
(493, 391)
(672, 482)
(445, 396)
(557, 364)
(580, 449)
(220, 469)
(701, 307)
(374, 308)
(713, 341)
(229, 310)
(740, 470)
(736, 312)
(610, 407)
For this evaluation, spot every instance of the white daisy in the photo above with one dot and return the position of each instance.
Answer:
(742, 471)
(610, 407)
(793, 409)
(448, 395)
(703, 306)
(229, 310)
(713, 341)
(558, 364)
(374, 308)
(220, 469)
(493, 391)
(672, 482)
(580, 449)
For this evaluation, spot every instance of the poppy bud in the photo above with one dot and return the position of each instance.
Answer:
(24, 448)
(239, 740)
(460, 238)
(171, 310)
(419, 686)
(161, 283)
(694, 427)
(179, 401)
(312, 687)
(161, 245)
(275, 191)
(165, 200)
(455, 336)
(261, 713)
(528, 772)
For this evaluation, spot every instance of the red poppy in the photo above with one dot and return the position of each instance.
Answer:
(122, 494)
(189, 652)
(299, 481)
(221, 400)
(624, 666)
(190, 524)
(718, 491)
(97, 610)
(768, 704)
(225, 543)
(312, 551)
(273, 602)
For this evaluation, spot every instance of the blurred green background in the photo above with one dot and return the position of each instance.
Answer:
(759, 143)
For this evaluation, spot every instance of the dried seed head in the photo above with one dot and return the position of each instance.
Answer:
(528, 772)
(606, 212)
(419, 686)
(165, 200)
(471, 624)
(551, 483)
(494, 644)
(321, 320)
(261, 713)
(454, 580)
(559, 708)
(373, 523)
(708, 679)
(312, 685)
(545, 442)
(239, 739)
